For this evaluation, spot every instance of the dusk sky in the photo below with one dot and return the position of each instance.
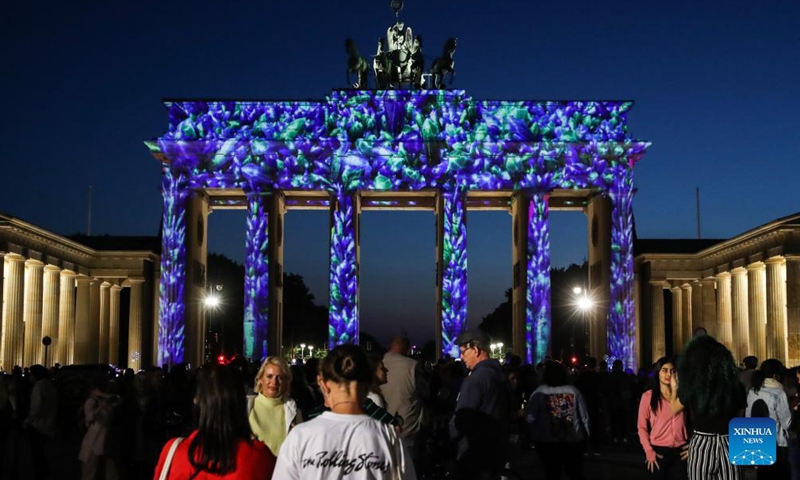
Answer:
(715, 86)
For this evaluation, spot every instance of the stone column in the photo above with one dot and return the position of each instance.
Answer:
(451, 251)
(724, 310)
(135, 324)
(34, 272)
(94, 322)
(621, 322)
(172, 294)
(777, 343)
(343, 309)
(52, 276)
(105, 313)
(66, 319)
(697, 308)
(659, 340)
(538, 324)
(709, 310)
(677, 319)
(686, 315)
(757, 307)
(113, 326)
(793, 307)
(82, 329)
(256, 277)
(739, 313)
(13, 305)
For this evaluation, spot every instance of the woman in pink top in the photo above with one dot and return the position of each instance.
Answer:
(662, 434)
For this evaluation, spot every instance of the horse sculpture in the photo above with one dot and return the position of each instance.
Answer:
(444, 64)
(381, 65)
(355, 64)
(417, 62)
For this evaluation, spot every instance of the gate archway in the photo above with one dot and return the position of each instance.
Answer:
(430, 149)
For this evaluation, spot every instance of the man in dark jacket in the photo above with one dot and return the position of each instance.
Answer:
(481, 422)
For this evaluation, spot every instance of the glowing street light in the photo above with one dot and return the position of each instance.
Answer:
(212, 301)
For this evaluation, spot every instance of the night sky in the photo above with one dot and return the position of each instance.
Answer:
(715, 86)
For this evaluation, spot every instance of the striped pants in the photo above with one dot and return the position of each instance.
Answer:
(708, 458)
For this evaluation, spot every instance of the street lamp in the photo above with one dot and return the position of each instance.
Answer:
(303, 352)
(584, 303)
(212, 302)
(311, 351)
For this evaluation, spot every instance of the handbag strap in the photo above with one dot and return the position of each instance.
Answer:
(168, 462)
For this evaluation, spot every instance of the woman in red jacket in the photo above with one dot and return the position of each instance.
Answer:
(221, 447)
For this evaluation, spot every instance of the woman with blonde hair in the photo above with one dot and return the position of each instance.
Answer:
(272, 412)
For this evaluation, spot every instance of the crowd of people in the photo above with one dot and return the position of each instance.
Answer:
(351, 415)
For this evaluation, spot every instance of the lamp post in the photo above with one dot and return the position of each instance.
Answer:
(212, 302)
(584, 304)
(311, 351)
(303, 352)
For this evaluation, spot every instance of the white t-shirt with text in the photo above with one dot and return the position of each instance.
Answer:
(336, 446)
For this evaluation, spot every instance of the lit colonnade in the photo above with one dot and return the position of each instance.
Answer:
(745, 291)
(61, 288)
(429, 149)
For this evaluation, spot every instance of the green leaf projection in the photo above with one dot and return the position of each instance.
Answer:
(399, 140)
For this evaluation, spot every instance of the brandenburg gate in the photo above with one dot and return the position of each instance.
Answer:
(436, 150)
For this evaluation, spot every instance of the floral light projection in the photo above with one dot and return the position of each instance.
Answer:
(343, 309)
(537, 324)
(454, 270)
(407, 141)
(171, 291)
(256, 278)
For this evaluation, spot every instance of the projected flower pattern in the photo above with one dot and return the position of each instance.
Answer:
(454, 269)
(400, 140)
(537, 325)
(171, 293)
(343, 309)
(256, 278)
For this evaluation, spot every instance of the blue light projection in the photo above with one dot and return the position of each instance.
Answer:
(538, 324)
(343, 309)
(454, 269)
(171, 291)
(408, 141)
(256, 278)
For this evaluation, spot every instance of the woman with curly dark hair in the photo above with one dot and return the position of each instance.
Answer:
(708, 387)
(221, 447)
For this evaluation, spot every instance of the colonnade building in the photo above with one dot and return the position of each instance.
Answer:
(92, 296)
(744, 291)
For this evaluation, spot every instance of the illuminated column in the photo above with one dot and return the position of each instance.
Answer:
(659, 340)
(66, 319)
(757, 308)
(263, 283)
(739, 315)
(135, 327)
(537, 325)
(343, 309)
(724, 310)
(686, 315)
(113, 325)
(777, 344)
(696, 319)
(531, 291)
(81, 350)
(452, 269)
(50, 311)
(677, 319)
(105, 314)
(13, 305)
(709, 309)
(793, 307)
(34, 272)
(621, 321)
(93, 348)
(172, 294)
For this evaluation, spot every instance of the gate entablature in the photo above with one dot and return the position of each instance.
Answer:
(398, 141)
